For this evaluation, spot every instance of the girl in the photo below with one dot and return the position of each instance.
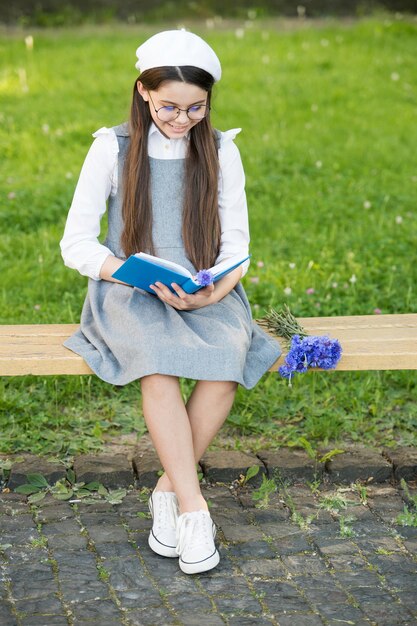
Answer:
(175, 188)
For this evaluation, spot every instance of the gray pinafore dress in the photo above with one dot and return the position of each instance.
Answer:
(127, 333)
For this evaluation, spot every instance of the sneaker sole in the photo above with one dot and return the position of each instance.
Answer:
(161, 548)
(200, 566)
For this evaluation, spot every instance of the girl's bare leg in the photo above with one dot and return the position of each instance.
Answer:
(169, 427)
(207, 409)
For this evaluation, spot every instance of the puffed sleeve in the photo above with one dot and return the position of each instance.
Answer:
(80, 247)
(233, 208)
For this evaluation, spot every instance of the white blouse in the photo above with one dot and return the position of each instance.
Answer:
(80, 247)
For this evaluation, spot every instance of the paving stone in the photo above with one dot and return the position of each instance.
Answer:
(320, 595)
(226, 466)
(104, 534)
(299, 619)
(268, 568)
(11, 524)
(331, 547)
(190, 601)
(6, 616)
(396, 563)
(225, 585)
(99, 506)
(26, 554)
(281, 531)
(147, 467)
(61, 527)
(242, 533)
(272, 515)
(404, 460)
(81, 622)
(31, 464)
(102, 518)
(377, 595)
(292, 544)
(49, 620)
(359, 622)
(32, 581)
(140, 523)
(240, 620)
(158, 616)
(411, 546)
(157, 565)
(143, 595)
(90, 589)
(177, 582)
(47, 605)
(222, 499)
(102, 609)
(373, 544)
(304, 564)
(409, 532)
(12, 503)
(69, 542)
(125, 573)
(115, 550)
(55, 511)
(113, 471)
(20, 537)
(345, 562)
(409, 599)
(280, 596)
(291, 465)
(358, 464)
(80, 570)
(387, 614)
(238, 604)
(248, 549)
(339, 612)
(201, 619)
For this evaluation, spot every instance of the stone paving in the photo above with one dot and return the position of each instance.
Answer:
(301, 543)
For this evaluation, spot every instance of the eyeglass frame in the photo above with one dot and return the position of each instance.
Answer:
(206, 106)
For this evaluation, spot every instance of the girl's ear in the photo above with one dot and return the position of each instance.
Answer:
(143, 92)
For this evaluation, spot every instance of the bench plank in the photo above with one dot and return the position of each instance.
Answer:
(369, 342)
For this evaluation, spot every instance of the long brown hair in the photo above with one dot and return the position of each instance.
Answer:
(200, 220)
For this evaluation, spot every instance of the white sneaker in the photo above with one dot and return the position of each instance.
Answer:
(195, 542)
(164, 509)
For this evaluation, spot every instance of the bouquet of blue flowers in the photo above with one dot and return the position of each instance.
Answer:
(304, 350)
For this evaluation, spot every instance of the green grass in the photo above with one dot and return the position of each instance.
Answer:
(328, 112)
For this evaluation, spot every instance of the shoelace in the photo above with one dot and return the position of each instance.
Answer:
(167, 510)
(194, 529)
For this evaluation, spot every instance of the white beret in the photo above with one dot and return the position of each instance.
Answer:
(176, 48)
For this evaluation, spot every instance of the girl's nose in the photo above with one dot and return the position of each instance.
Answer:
(182, 117)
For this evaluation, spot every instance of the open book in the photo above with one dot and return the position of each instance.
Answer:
(142, 270)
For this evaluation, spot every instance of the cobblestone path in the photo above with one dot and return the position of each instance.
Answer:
(307, 553)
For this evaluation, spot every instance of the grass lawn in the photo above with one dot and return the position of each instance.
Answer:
(329, 114)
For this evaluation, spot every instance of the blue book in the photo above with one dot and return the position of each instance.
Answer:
(141, 270)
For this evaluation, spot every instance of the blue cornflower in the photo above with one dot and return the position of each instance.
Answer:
(204, 278)
(310, 351)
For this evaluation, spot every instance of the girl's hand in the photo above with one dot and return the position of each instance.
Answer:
(184, 301)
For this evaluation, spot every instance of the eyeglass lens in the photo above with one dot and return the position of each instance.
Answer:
(168, 113)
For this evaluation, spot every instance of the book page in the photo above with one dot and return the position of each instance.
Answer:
(230, 262)
(176, 267)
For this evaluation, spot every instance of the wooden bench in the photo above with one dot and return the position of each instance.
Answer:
(369, 342)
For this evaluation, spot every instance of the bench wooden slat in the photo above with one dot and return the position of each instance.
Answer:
(369, 342)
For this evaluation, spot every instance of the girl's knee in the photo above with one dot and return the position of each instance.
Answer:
(158, 383)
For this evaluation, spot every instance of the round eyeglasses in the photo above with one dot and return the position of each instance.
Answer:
(170, 113)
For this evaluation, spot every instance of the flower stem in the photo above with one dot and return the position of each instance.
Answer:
(282, 323)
